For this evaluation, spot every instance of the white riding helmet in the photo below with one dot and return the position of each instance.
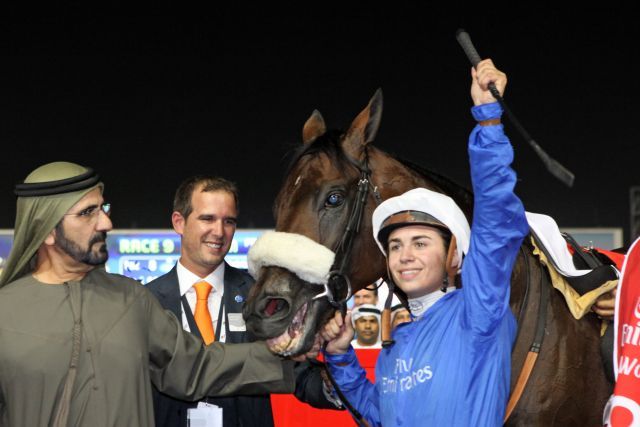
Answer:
(421, 206)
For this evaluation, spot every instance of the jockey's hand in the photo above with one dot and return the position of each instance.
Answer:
(338, 333)
(605, 305)
(485, 73)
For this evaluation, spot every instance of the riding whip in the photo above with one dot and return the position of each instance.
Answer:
(552, 165)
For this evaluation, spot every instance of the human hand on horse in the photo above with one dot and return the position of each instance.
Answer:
(338, 333)
(605, 305)
(485, 73)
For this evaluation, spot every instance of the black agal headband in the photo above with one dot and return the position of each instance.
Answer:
(61, 186)
(367, 310)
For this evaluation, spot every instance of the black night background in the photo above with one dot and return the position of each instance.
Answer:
(151, 99)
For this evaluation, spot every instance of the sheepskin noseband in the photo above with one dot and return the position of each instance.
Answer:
(307, 259)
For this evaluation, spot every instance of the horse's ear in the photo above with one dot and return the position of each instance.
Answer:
(364, 128)
(313, 128)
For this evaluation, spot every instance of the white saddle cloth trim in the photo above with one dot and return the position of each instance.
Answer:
(304, 257)
(548, 234)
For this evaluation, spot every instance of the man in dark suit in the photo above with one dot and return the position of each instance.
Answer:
(205, 211)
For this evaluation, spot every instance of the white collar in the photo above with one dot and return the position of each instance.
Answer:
(186, 279)
(419, 305)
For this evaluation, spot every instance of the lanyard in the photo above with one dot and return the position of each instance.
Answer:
(192, 322)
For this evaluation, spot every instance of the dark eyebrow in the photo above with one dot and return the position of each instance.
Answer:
(94, 206)
(413, 239)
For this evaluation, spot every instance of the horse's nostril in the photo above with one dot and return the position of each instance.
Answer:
(274, 306)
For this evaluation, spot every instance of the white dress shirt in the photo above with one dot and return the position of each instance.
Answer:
(187, 279)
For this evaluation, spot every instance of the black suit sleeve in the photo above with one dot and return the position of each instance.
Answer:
(309, 386)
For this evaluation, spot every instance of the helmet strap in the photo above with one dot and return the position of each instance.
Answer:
(450, 270)
(445, 284)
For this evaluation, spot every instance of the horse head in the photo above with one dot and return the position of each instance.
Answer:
(318, 200)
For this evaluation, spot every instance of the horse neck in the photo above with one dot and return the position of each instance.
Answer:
(393, 177)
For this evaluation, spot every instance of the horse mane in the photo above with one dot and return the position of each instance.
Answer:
(462, 195)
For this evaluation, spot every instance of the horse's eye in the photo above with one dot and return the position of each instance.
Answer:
(334, 199)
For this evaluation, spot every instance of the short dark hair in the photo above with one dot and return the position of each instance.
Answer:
(184, 193)
(446, 238)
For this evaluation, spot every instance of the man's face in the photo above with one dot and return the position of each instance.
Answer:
(83, 231)
(367, 329)
(208, 231)
(364, 296)
(416, 258)
(402, 316)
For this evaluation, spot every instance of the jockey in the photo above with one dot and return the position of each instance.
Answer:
(451, 364)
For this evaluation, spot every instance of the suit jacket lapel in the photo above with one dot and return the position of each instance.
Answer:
(236, 289)
(168, 292)
(234, 286)
(235, 293)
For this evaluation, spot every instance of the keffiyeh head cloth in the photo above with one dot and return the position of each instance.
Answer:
(44, 197)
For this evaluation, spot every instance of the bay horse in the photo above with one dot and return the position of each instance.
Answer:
(567, 386)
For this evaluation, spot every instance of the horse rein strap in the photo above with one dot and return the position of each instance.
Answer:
(534, 350)
(338, 271)
(338, 274)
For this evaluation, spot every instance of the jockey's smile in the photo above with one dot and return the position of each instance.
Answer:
(417, 255)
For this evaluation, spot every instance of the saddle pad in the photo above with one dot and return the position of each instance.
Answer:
(579, 305)
(548, 234)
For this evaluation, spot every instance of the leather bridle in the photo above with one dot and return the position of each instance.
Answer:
(338, 282)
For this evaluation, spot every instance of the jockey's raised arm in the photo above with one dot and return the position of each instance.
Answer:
(451, 364)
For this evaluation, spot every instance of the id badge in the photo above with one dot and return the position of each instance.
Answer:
(205, 415)
(236, 323)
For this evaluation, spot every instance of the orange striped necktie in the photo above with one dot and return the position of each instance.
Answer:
(201, 314)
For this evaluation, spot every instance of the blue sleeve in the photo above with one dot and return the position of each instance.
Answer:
(353, 382)
(499, 224)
